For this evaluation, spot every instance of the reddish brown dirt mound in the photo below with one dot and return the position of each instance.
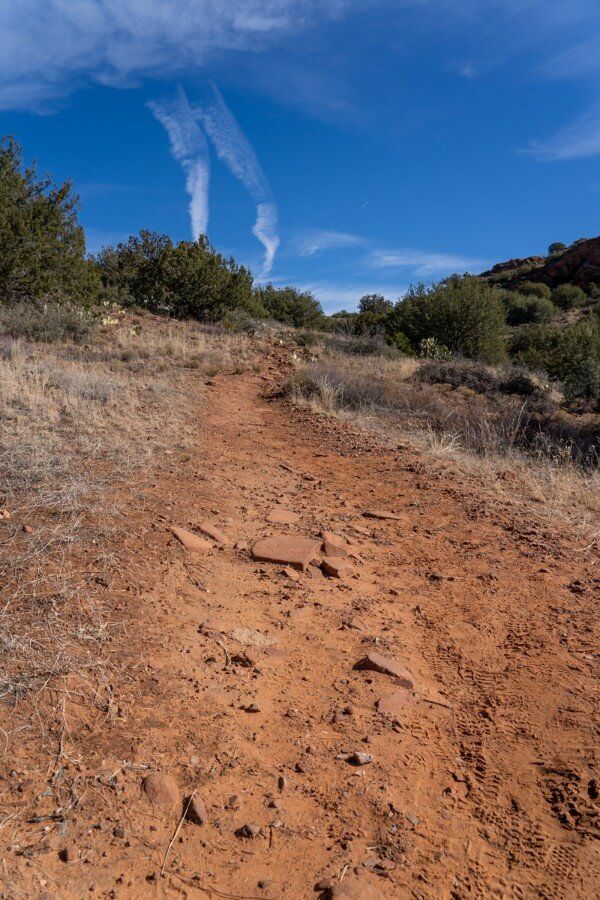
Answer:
(240, 683)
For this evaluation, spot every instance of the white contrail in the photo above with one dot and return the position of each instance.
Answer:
(234, 149)
(189, 148)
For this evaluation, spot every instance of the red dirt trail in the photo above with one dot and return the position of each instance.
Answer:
(482, 781)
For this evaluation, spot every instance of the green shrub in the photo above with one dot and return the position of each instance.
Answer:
(568, 296)
(46, 322)
(571, 355)
(42, 246)
(464, 315)
(522, 310)
(290, 306)
(535, 289)
(187, 280)
(556, 248)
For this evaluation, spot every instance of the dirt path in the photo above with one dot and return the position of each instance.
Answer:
(482, 781)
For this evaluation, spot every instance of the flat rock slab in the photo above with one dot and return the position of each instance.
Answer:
(282, 516)
(375, 662)
(251, 638)
(212, 531)
(381, 514)
(190, 540)
(287, 549)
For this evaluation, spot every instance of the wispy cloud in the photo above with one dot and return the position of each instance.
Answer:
(189, 148)
(424, 263)
(234, 149)
(315, 241)
(50, 47)
(577, 141)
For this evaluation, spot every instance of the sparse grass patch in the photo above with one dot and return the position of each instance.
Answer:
(78, 422)
(492, 416)
(46, 322)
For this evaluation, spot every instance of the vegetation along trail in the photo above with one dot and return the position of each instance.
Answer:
(413, 718)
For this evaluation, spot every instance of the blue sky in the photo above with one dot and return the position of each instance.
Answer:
(344, 146)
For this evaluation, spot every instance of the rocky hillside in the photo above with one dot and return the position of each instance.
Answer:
(578, 264)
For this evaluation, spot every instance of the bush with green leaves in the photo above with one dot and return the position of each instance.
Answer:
(535, 289)
(290, 306)
(42, 245)
(568, 296)
(185, 280)
(522, 310)
(571, 355)
(463, 314)
(556, 248)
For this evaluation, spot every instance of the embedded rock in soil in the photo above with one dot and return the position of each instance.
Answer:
(196, 811)
(288, 549)
(161, 790)
(282, 516)
(190, 540)
(394, 704)
(336, 568)
(355, 889)
(212, 531)
(252, 638)
(333, 544)
(375, 662)
(381, 514)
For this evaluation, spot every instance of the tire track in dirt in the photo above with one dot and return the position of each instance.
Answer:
(479, 785)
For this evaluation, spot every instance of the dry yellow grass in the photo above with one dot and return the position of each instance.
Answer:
(76, 423)
(457, 426)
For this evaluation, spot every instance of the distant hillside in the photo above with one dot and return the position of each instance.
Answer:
(578, 265)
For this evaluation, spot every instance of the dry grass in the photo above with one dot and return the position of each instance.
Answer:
(554, 457)
(77, 422)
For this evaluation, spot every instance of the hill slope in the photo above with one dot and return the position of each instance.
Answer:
(579, 265)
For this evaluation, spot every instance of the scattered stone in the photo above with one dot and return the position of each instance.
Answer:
(241, 545)
(335, 568)
(69, 853)
(290, 573)
(282, 516)
(252, 638)
(118, 832)
(249, 830)
(245, 659)
(375, 662)
(359, 759)
(325, 884)
(414, 820)
(252, 708)
(27, 529)
(381, 514)
(395, 704)
(5, 515)
(291, 550)
(190, 540)
(233, 802)
(196, 811)
(282, 783)
(212, 531)
(212, 626)
(333, 544)
(161, 790)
